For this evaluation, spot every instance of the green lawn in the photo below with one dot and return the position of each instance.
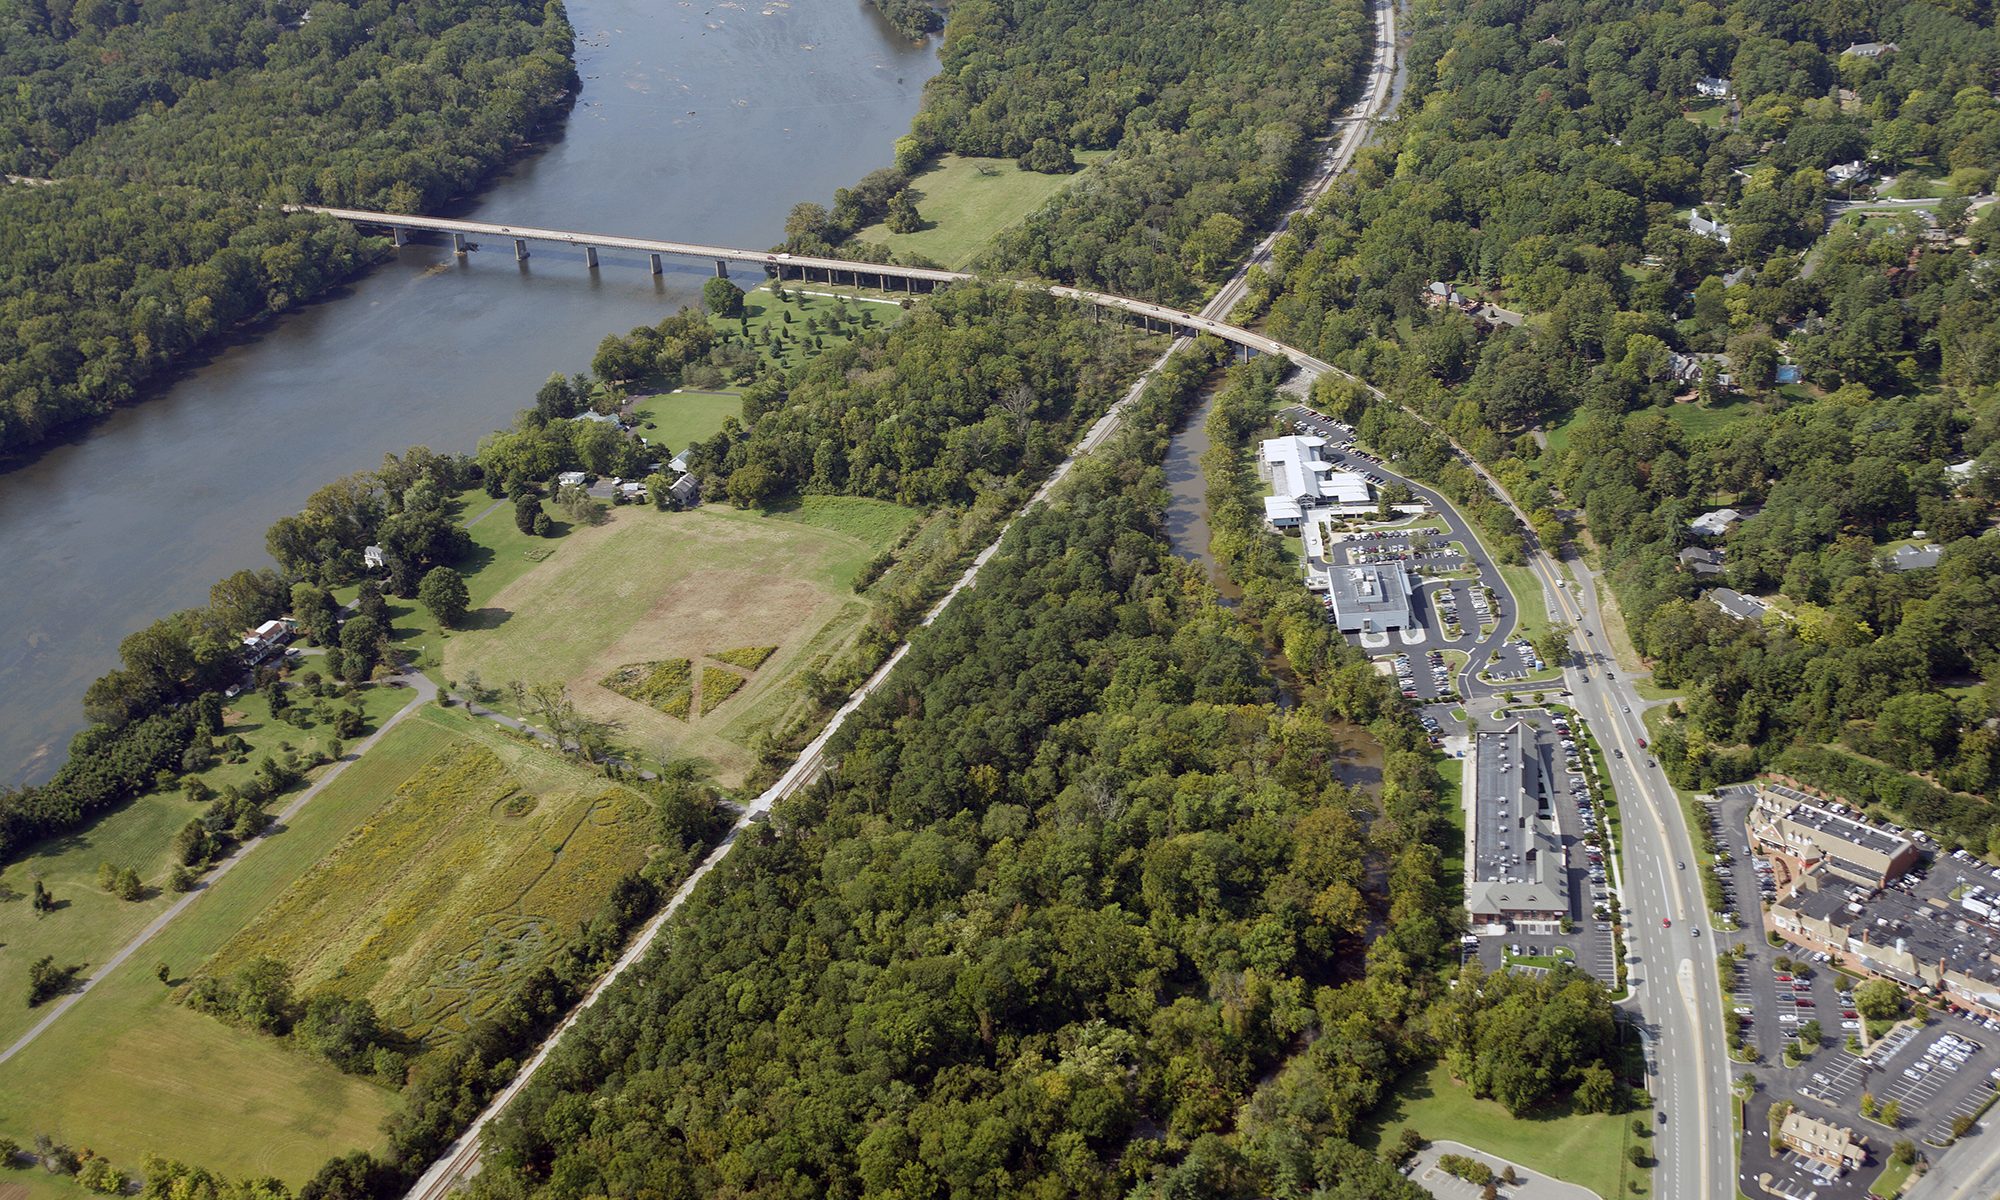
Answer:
(1531, 602)
(680, 418)
(1701, 419)
(966, 201)
(649, 586)
(127, 1071)
(1708, 113)
(830, 313)
(1583, 1148)
(1891, 1180)
(92, 924)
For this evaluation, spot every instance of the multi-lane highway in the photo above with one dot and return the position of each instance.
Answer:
(1676, 988)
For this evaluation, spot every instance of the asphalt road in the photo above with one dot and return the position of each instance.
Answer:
(1676, 988)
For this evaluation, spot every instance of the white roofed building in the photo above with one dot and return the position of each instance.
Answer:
(1301, 479)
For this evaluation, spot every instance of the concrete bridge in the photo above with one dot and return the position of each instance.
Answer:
(780, 265)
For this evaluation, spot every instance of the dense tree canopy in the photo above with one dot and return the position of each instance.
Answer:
(1550, 167)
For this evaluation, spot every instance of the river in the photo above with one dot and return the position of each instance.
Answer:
(697, 121)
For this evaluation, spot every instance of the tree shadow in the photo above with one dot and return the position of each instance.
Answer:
(489, 617)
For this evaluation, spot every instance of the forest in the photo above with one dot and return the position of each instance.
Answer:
(1080, 912)
(170, 123)
(1213, 113)
(1550, 168)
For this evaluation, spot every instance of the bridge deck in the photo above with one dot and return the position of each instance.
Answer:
(607, 241)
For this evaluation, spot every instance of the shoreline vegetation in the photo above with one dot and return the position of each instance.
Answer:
(170, 130)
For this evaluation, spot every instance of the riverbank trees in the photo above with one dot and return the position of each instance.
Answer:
(1212, 113)
(171, 127)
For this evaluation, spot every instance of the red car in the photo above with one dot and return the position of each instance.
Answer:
(1642, 743)
(1665, 923)
(1782, 978)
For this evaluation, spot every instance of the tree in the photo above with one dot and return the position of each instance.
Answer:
(163, 973)
(722, 297)
(1048, 157)
(1904, 1151)
(130, 886)
(659, 490)
(903, 216)
(1867, 1104)
(1596, 1089)
(312, 610)
(44, 902)
(360, 644)
(46, 979)
(443, 592)
(1892, 1113)
(1878, 999)
(526, 508)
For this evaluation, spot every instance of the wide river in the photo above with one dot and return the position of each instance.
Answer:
(697, 121)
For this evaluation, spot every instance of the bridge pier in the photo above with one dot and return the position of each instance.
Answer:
(399, 235)
(590, 257)
(659, 268)
(520, 250)
(721, 268)
(458, 243)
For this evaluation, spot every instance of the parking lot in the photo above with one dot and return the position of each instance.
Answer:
(1513, 661)
(1935, 1073)
(1589, 944)
(1423, 675)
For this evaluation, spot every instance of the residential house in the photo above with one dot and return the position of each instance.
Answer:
(1701, 561)
(679, 463)
(685, 492)
(1915, 558)
(1711, 87)
(374, 558)
(1714, 230)
(1870, 49)
(1855, 171)
(570, 479)
(1736, 604)
(1717, 523)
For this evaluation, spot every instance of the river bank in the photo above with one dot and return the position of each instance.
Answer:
(702, 125)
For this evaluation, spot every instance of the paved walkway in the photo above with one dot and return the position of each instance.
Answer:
(1529, 1185)
(423, 690)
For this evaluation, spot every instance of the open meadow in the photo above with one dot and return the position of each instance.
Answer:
(647, 588)
(475, 870)
(128, 1070)
(89, 924)
(966, 201)
(444, 863)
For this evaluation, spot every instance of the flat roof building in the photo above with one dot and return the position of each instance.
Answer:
(1517, 868)
(1798, 826)
(1370, 597)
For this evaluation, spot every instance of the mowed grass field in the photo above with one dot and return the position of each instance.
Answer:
(678, 419)
(477, 867)
(127, 1070)
(965, 201)
(91, 924)
(1583, 1148)
(649, 586)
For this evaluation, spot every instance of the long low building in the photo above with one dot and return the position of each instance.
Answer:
(1301, 480)
(1925, 944)
(1790, 822)
(1517, 874)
